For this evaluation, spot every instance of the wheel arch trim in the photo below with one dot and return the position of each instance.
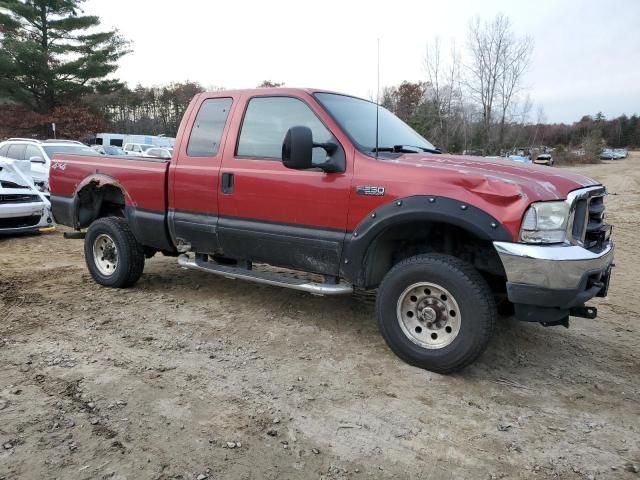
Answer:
(414, 209)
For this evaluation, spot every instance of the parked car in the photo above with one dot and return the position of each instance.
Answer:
(607, 154)
(544, 159)
(136, 148)
(23, 208)
(108, 150)
(519, 158)
(39, 154)
(62, 140)
(159, 152)
(620, 153)
(310, 181)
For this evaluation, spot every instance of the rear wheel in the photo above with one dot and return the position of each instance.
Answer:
(113, 256)
(436, 312)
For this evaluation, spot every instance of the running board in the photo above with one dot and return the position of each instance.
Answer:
(266, 278)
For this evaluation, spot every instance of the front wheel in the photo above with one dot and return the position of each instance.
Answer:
(114, 257)
(436, 312)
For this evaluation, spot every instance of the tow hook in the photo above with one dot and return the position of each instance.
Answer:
(584, 312)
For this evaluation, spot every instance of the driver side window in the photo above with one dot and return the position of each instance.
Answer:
(266, 122)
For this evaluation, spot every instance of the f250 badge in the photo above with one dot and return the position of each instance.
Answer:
(370, 190)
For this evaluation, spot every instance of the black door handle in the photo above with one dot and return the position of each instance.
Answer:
(227, 182)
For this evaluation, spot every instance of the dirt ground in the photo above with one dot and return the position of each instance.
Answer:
(191, 376)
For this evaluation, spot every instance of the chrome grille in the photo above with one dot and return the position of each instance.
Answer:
(587, 224)
(595, 222)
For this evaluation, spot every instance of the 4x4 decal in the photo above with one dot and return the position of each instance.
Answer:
(58, 165)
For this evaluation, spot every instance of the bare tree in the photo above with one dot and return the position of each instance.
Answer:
(443, 88)
(514, 64)
(495, 70)
(270, 84)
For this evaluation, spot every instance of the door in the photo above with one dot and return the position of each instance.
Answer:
(269, 213)
(193, 209)
(39, 163)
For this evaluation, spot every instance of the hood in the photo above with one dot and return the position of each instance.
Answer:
(15, 173)
(487, 176)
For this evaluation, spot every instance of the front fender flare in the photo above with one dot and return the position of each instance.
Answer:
(414, 209)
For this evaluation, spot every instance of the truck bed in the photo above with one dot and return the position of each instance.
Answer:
(144, 177)
(142, 181)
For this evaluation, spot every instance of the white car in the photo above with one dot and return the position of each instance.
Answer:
(137, 149)
(23, 207)
(619, 153)
(40, 154)
(544, 159)
(159, 152)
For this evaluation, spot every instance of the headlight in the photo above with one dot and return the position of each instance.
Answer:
(545, 222)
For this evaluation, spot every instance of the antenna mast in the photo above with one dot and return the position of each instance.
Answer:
(377, 97)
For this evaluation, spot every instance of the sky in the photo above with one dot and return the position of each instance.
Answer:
(586, 56)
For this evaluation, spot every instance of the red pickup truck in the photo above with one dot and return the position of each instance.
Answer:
(346, 193)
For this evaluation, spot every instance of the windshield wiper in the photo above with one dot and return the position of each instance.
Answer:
(406, 149)
(383, 149)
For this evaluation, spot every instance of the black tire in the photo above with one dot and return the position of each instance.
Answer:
(471, 294)
(130, 254)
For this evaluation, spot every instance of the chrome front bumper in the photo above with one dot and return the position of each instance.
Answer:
(551, 266)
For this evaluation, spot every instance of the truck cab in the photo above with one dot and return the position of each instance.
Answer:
(339, 189)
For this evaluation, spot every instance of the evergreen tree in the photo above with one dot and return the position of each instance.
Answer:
(50, 53)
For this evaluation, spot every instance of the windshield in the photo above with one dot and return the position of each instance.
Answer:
(357, 118)
(73, 149)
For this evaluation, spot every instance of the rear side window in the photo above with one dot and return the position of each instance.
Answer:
(32, 152)
(3, 150)
(206, 132)
(16, 152)
(266, 122)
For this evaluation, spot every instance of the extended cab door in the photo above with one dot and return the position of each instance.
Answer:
(269, 213)
(194, 173)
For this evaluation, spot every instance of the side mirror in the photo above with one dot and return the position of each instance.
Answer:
(297, 148)
(36, 159)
